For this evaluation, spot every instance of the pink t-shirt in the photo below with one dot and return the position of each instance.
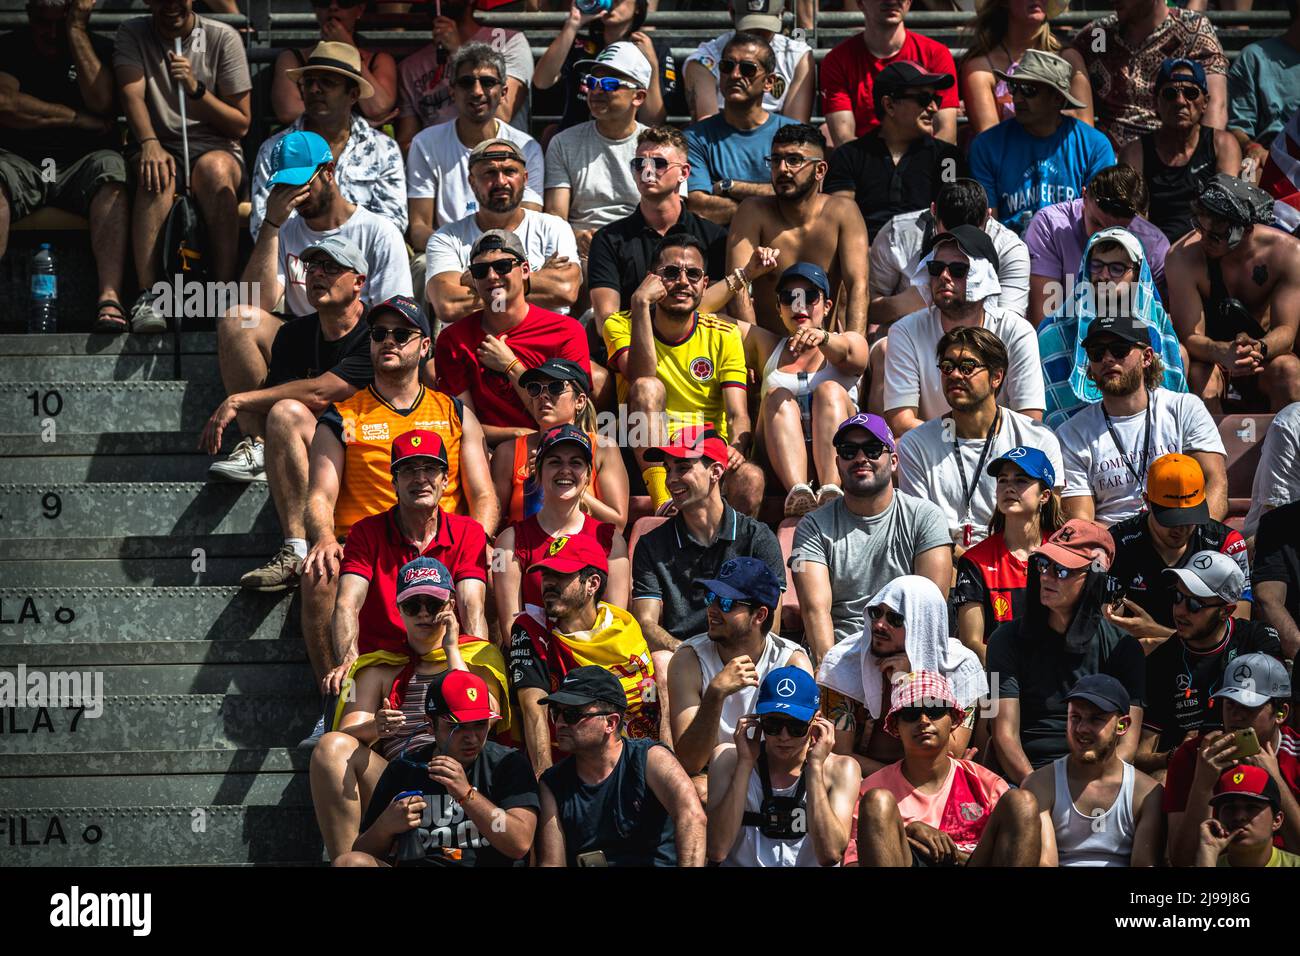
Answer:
(960, 808)
(847, 74)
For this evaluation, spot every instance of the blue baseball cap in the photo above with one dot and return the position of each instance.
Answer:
(745, 579)
(1102, 690)
(790, 691)
(424, 575)
(806, 270)
(1182, 69)
(1032, 461)
(296, 156)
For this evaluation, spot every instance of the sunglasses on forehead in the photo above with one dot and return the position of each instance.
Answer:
(502, 267)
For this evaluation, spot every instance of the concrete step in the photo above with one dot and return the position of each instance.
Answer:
(143, 763)
(163, 722)
(123, 367)
(48, 409)
(192, 343)
(89, 620)
(96, 468)
(121, 509)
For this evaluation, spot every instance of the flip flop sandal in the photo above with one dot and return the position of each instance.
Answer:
(110, 323)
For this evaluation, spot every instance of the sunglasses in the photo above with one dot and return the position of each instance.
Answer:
(1027, 90)
(1171, 93)
(791, 296)
(645, 162)
(1193, 604)
(910, 715)
(327, 266)
(791, 161)
(400, 336)
(1048, 566)
(892, 618)
(1116, 350)
(673, 273)
(421, 602)
(848, 450)
(573, 715)
(966, 367)
(774, 724)
(607, 83)
(725, 603)
(502, 267)
(923, 100)
(1112, 270)
(748, 68)
(554, 389)
(958, 270)
(489, 83)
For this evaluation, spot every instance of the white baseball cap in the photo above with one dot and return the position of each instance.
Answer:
(623, 58)
(1211, 574)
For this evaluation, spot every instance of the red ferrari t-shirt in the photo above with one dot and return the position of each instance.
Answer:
(847, 74)
(541, 335)
(531, 544)
(376, 549)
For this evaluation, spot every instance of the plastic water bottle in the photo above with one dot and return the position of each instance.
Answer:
(45, 292)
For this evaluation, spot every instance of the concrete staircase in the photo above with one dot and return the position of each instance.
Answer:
(119, 561)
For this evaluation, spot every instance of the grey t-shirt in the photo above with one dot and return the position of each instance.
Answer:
(217, 59)
(597, 173)
(865, 554)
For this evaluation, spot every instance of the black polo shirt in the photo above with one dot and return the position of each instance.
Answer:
(1277, 553)
(621, 251)
(1140, 568)
(668, 560)
(884, 189)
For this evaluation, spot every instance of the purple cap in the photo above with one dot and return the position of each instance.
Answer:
(872, 423)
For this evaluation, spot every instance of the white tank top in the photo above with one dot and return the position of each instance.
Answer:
(1102, 840)
(776, 653)
(802, 385)
(754, 849)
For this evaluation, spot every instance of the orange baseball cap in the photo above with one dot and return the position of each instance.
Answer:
(1176, 491)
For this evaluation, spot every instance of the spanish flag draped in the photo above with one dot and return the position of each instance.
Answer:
(475, 651)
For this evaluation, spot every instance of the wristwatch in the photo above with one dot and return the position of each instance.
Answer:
(200, 91)
(724, 187)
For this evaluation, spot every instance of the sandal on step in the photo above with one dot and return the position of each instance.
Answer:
(105, 321)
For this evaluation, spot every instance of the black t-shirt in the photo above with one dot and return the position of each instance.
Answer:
(1182, 683)
(449, 836)
(668, 560)
(54, 81)
(621, 251)
(882, 189)
(1277, 553)
(1034, 666)
(585, 47)
(300, 350)
(1140, 568)
(619, 817)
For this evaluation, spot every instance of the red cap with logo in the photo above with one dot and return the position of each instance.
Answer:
(1078, 543)
(1244, 780)
(693, 441)
(570, 553)
(417, 443)
(461, 696)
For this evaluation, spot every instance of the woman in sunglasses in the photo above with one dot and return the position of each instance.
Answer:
(991, 576)
(1003, 30)
(557, 396)
(810, 385)
(1114, 279)
(338, 24)
(564, 471)
(380, 709)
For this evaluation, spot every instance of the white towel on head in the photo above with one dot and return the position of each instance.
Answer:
(981, 281)
(850, 669)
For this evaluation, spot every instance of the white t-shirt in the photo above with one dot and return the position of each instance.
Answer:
(928, 469)
(787, 51)
(1094, 465)
(596, 171)
(437, 167)
(377, 238)
(896, 252)
(1277, 478)
(912, 378)
(542, 234)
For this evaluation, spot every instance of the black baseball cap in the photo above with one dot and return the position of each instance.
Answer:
(588, 685)
(971, 240)
(561, 434)
(903, 74)
(1103, 690)
(559, 369)
(407, 309)
(1130, 328)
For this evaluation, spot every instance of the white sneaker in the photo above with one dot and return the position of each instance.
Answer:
(246, 463)
(144, 317)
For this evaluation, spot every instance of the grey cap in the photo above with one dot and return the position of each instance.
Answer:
(1211, 574)
(498, 239)
(1039, 66)
(1252, 680)
(496, 148)
(342, 250)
